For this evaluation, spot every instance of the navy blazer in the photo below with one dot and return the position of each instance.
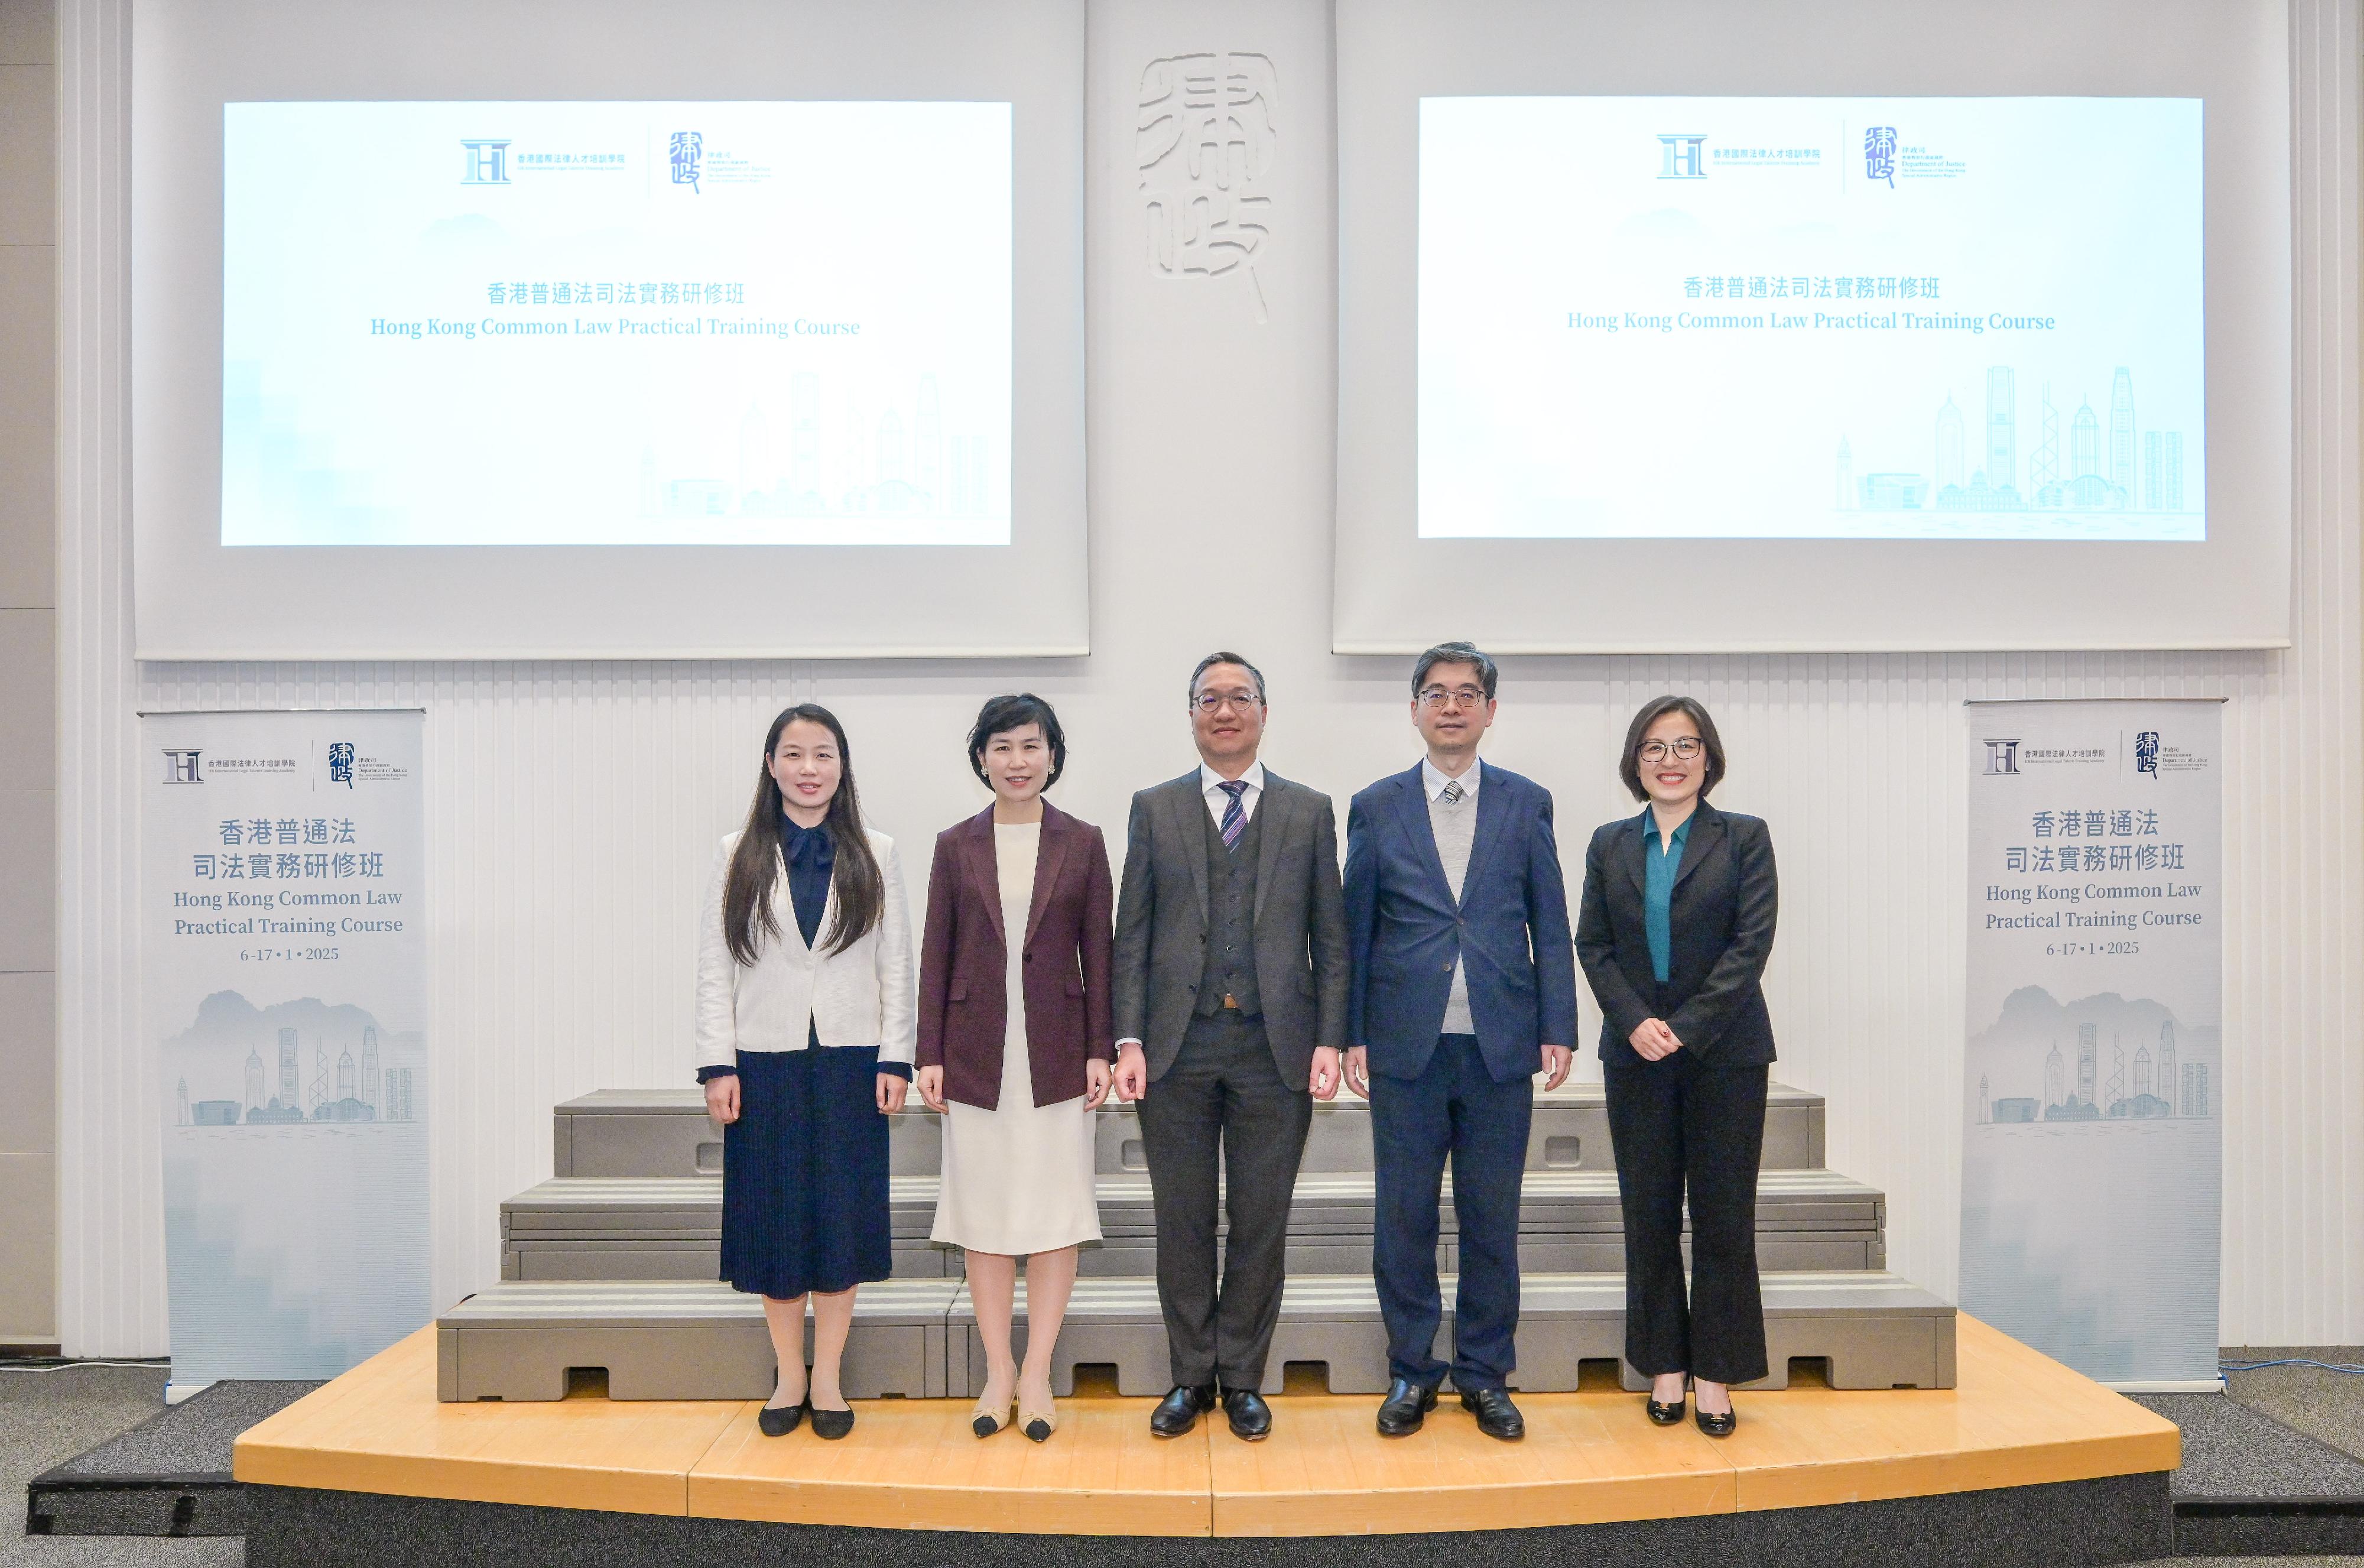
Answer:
(1509, 928)
(1725, 899)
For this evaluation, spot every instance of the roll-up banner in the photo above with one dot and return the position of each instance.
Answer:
(2093, 1074)
(282, 977)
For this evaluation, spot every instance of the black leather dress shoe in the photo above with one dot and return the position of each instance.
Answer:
(831, 1424)
(1497, 1416)
(1719, 1426)
(1180, 1409)
(1251, 1417)
(1406, 1406)
(779, 1421)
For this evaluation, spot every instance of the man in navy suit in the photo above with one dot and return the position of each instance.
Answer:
(1464, 987)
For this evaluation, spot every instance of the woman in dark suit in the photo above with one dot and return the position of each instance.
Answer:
(1015, 1044)
(1676, 925)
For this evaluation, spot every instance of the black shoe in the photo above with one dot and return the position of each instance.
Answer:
(779, 1421)
(1719, 1426)
(1251, 1416)
(1180, 1409)
(831, 1424)
(1401, 1411)
(1497, 1416)
(1664, 1415)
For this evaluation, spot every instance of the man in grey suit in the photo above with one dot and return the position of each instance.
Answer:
(1231, 1007)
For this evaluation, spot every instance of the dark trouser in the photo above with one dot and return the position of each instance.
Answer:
(1455, 1109)
(1685, 1120)
(1222, 1094)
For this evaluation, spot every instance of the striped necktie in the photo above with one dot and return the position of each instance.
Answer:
(1235, 821)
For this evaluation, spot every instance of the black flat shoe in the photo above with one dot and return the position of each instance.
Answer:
(1405, 1408)
(1497, 1416)
(831, 1424)
(1180, 1409)
(779, 1421)
(1251, 1417)
(1664, 1415)
(1719, 1426)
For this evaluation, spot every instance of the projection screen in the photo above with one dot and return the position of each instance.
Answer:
(1716, 329)
(736, 331)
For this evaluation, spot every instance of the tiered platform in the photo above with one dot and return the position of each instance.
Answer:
(609, 1373)
(2015, 1419)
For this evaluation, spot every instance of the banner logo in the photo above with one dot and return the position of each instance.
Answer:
(180, 765)
(488, 163)
(687, 148)
(2003, 756)
(1879, 154)
(2146, 753)
(1683, 158)
(340, 762)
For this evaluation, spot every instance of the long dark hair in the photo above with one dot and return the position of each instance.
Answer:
(747, 916)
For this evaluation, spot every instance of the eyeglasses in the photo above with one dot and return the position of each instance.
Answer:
(1215, 702)
(1437, 696)
(1685, 750)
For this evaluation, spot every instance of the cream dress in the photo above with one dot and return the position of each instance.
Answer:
(1017, 1179)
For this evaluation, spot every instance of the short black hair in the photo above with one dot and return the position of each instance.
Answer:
(1001, 715)
(1223, 656)
(1455, 653)
(1628, 766)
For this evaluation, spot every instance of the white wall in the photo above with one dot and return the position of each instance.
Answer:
(572, 805)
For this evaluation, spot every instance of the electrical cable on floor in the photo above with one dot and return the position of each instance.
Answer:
(2259, 1366)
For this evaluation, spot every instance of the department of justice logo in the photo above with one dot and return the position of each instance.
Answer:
(1879, 154)
(687, 148)
(2146, 753)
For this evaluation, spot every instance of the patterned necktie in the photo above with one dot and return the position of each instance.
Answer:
(1235, 821)
(1452, 792)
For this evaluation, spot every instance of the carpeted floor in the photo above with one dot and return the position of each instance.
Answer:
(46, 1419)
(2326, 1406)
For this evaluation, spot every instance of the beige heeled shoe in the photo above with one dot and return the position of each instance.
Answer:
(1038, 1424)
(988, 1418)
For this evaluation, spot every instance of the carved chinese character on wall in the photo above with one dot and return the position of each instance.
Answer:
(1203, 143)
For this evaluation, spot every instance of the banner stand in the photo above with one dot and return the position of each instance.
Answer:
(283, 976)
(2094, 1068)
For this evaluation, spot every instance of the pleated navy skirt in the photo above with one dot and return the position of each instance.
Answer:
(803, 1174)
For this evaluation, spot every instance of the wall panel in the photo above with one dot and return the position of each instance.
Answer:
(573, 807)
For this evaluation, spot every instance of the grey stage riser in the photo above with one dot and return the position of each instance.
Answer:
(1570, 1220)
(664, 1132)
(669, 1340)
(1126, 1257)
(918, 1338)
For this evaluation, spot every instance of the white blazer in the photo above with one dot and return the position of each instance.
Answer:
(865, 996)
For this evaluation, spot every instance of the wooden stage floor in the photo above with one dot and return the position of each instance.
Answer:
(2017, 1419)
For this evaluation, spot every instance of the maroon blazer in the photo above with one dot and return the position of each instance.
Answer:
(964, 961)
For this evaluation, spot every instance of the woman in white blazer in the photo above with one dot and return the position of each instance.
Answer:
(806, 1030)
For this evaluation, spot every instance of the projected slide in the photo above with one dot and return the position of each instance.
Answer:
(586, 324)
(1908, 318)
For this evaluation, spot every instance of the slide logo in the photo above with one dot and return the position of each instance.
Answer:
(488, 163)
(1879, 154)
(1683, 155)
(689, 147)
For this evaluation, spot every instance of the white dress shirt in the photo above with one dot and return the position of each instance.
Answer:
(1210, 785)
(1433, 783)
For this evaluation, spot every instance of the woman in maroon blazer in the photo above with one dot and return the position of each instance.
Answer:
(1015, 1045)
